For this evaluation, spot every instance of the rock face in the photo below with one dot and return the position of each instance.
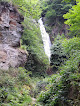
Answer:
(10, 34)
(56, 29)
(59, 30)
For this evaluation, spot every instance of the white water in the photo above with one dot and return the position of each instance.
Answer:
(45, 38)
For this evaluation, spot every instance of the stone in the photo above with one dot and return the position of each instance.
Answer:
(11, 31)
(10, 25)
(11, 57)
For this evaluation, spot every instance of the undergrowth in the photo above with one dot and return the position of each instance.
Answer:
(15, 87)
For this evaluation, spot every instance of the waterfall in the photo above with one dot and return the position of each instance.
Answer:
(45, 38)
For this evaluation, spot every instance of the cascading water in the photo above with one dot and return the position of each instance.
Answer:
(45, 38)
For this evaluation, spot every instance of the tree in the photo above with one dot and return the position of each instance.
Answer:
(54, 9)
(27, 7)
(73, 19)
(37, 60)
(57, 55)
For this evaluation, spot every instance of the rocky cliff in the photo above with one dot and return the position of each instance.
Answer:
(10, 34)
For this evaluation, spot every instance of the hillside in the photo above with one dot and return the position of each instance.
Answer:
(27, 76)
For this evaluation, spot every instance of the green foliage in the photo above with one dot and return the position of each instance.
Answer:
(37, 60)
(64, 88)
(58, 55)
(28, 7)
(73, 20)
(14, 87)
(61, 89)
(31, 39)
(53, 10)
(71, 45)
(69, 0)
(52, 13)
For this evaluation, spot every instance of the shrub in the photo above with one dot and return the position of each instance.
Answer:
(64, 89)
(37, 60)
(15, 87)
(58, 55)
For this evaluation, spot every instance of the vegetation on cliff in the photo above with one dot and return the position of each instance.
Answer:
(17, 86)
(53, 11)
(64, 86)
(73, 20)
(31, 39)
